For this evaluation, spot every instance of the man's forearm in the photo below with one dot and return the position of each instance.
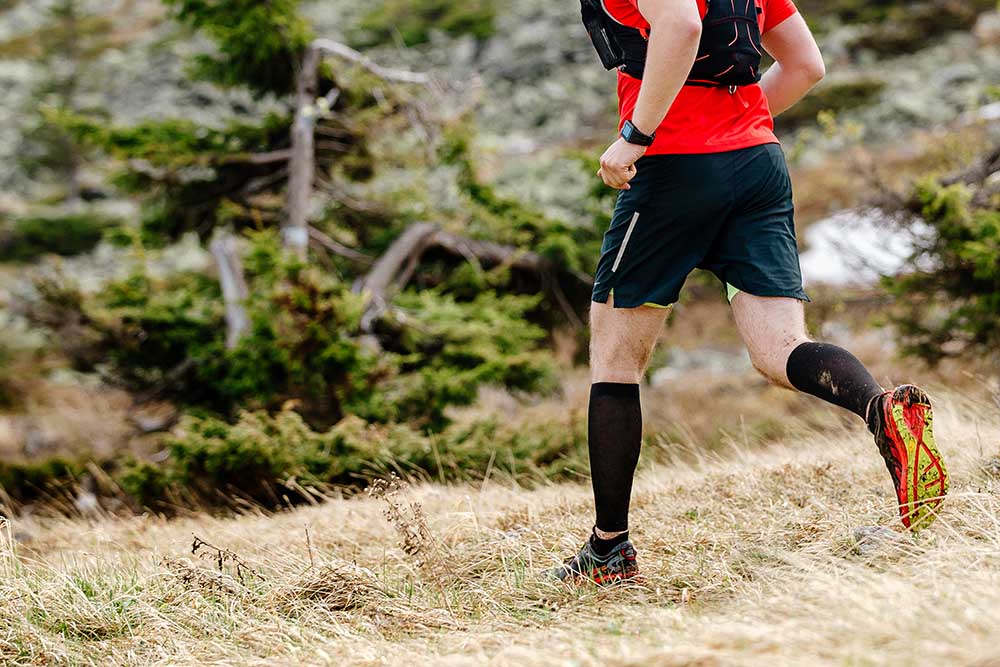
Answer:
(784, 87)
(673, 46)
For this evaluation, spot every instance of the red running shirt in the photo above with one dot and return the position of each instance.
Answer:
(702, 119)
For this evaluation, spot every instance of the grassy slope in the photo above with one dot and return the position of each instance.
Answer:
(748, 561)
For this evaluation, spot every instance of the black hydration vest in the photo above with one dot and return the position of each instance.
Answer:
(729, 53)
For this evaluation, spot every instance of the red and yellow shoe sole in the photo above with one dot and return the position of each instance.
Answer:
(923, 483)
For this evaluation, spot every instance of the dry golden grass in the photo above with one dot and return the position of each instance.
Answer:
(748, 558)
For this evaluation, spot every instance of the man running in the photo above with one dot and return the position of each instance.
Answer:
(704, 184)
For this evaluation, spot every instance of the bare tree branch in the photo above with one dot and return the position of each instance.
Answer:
(381, 280)
(271, 157)
(324, 241)
(977, 173)
(234, 287)
(394, 269)
(302, 165)
(387, 73)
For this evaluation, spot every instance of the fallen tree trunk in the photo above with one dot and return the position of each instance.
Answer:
(395, 268)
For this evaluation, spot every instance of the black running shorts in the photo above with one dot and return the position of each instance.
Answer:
(730, 213)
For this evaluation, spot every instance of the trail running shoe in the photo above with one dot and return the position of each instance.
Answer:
(618, 566)
(903, 426)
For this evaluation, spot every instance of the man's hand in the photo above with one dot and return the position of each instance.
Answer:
(618, 164)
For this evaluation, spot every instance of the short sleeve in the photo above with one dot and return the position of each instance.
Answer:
(776, 11)
(625, 12)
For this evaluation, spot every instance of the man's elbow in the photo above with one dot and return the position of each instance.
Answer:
(814, 70)
(685, 28)
(689, 30)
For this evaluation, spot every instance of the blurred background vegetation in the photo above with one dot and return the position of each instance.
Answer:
(162, 346)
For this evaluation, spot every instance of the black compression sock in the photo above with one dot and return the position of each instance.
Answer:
(834, 375)
(603, 547)
(615, 437)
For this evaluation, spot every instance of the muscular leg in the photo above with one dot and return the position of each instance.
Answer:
(774, 331)
(621, 343)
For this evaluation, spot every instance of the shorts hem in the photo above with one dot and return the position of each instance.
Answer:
(603, 298)
(797, 294)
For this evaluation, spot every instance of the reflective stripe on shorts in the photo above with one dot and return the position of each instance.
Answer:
(628, 235)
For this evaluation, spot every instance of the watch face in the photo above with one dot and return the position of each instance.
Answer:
(632, 135)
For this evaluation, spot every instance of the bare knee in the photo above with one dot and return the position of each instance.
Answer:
(618, 363)
(618, 371)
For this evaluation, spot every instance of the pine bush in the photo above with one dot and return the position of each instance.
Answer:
(950, 303)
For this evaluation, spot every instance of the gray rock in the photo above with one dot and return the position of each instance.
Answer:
(991, 467)
(872, 540)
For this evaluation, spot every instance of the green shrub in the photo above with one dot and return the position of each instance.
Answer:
(187, 175)
(272, 460)
(265, 459)
(29, 238)
(168, 335)
(447, 349)
(413, 20)
(259, 44)
(952, 306)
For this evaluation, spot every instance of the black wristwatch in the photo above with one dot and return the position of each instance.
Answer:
(631, 134)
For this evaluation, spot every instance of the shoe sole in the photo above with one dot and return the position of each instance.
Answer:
(925, 483)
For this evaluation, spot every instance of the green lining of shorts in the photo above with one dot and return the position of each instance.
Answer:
(731, 292)
(649, 304)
